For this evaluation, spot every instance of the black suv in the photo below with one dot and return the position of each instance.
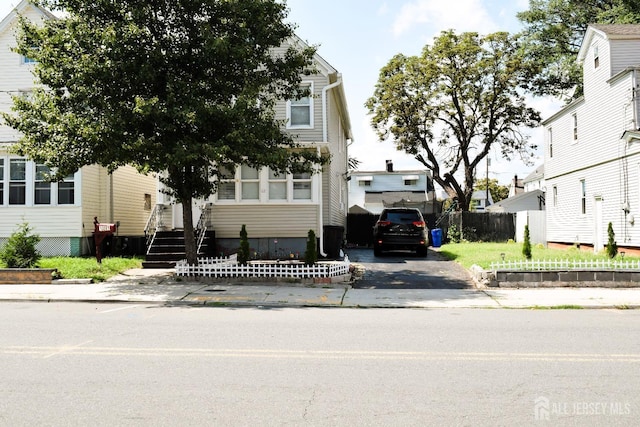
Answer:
(401, 228)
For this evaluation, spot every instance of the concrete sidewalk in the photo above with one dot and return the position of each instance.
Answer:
(161, 286)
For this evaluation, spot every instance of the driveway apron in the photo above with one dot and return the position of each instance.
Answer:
(405, 270)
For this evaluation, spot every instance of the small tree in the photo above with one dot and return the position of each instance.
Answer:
(526, 247)
(612, 246)
(243, 252)
(311, 255)
(20, 250)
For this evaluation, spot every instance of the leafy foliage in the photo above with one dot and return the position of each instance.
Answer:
(244, 251)
(178, 88)
(526, 245)
(612, 246)
(553, 34)
(452, 104)
(311, 254)
(20, 250)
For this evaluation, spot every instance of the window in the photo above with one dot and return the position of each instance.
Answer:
(147, 201)
(300, 111)
(550, 137)
(364, 183)
(583, 199)
(226, 184)
(596, 57)
(250, 182)
(277, 186)
(42, 186)
(1, 182)
(27, 60)
(575, 127)
(17, 181)
(302, 186)
(66, 191)
(555, 196)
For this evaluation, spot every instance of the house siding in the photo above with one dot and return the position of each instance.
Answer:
(129, 189)
(608, 165)
(264, 221)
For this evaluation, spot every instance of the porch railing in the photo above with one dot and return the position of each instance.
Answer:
(153, 223)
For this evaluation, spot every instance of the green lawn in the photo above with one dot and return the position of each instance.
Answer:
(483, 254)
(88, 268)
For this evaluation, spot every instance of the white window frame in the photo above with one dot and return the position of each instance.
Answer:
(555, 196)
(311, 109)
(574, 125)
(550, 138)
(596, 56)
(18, 182)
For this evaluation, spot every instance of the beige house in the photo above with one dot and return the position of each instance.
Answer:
(279, 211)
(61, 213)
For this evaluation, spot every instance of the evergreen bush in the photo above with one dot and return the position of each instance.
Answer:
(311, 254)
(612, 246)
(20, 250)
(526, 247)
(243, 252)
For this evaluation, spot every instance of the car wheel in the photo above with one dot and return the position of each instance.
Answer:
(377, 251)
(421, 252)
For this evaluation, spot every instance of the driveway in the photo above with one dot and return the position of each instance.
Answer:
(404, 270)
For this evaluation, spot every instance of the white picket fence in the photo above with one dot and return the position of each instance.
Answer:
(229, 267)
(565, 264)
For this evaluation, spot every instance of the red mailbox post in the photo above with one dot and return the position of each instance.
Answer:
(100, 232)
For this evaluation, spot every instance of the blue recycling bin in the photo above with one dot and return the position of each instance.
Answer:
(436, 237)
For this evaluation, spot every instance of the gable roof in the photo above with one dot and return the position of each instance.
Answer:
(607, 32)
(537, 174)
(19, 9)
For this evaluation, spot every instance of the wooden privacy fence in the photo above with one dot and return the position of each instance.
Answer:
(480, 226)
(226, 267)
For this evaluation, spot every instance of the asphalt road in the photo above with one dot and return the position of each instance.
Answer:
(114, 364)
(405, 270)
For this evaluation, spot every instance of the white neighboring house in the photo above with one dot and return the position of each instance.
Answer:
(530, 197)
(481, 201)
(61, 213)
(372, 191)
(592, 146)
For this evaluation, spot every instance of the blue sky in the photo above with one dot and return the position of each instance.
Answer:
(358, 37)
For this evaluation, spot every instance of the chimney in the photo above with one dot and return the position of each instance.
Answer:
(389, 166)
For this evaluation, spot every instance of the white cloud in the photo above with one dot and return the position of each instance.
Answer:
(467, 15)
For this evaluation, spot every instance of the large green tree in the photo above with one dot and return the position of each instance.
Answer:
(452, 104)
(554, 30)
(176, 87)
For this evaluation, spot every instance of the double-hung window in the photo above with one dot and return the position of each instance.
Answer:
(42, 186)
(17, 181)
(226, 184)
(250, 182)
(66, 191)
(300, 111)
(302, 186)
(277, 186)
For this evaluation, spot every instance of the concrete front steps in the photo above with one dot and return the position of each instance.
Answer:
(168, 247)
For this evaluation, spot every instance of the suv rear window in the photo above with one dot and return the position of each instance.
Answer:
(401, 217)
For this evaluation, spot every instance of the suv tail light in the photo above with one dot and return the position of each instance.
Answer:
(384, 223)
(419, 224)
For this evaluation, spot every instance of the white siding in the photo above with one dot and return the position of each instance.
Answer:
(14, 75)
(600, 157)
(264, 221)
(59, 221)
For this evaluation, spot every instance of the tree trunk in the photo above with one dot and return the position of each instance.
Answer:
(190, 248)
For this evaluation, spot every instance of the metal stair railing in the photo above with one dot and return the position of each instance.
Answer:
(201, 228)
(153, 223)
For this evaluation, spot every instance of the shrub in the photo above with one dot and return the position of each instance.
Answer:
(526, 247)
(454, 234)
(20, 250)
(612, 246)
(311, 254)
(243, 252)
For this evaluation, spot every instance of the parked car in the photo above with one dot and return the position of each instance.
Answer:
(400, 228)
